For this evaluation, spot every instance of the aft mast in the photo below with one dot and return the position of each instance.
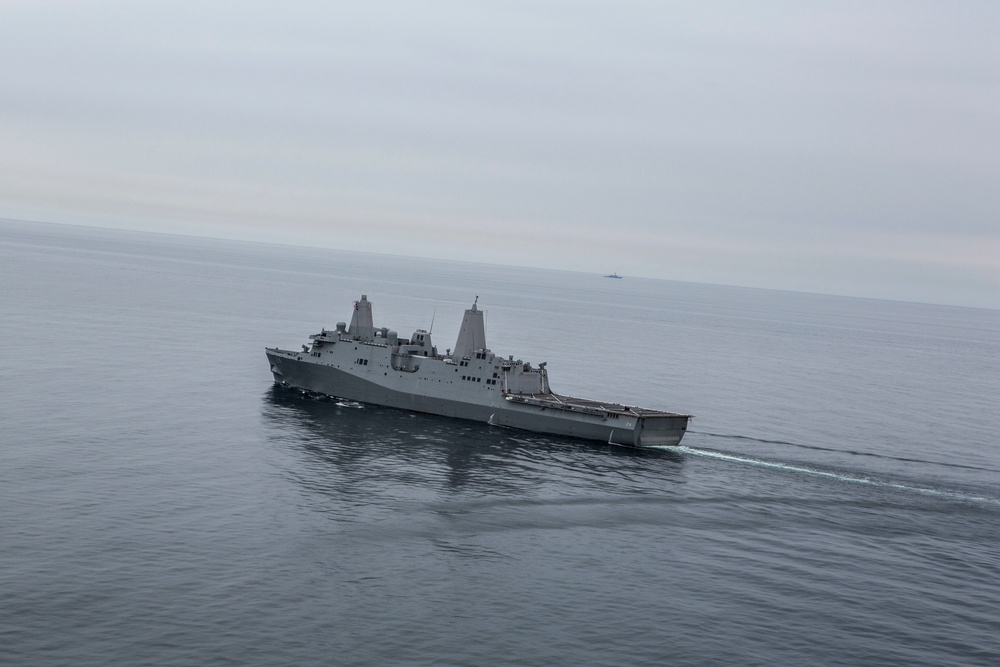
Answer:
(362, 326)
(472, 335)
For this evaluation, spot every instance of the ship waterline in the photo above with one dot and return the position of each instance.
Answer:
(374, 365)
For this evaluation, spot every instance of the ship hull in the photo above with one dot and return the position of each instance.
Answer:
(541, 414)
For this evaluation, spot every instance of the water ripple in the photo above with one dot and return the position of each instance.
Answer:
(852, 452)
(840, 476)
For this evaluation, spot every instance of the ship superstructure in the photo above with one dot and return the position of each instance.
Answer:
(363, 363)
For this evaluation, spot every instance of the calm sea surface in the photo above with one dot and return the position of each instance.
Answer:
(836, 502)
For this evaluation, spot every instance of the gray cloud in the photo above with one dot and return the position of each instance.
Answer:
(833, 147)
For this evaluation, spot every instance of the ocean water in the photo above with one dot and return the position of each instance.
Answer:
(836, 502)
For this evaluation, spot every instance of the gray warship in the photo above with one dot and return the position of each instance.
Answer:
(375, 365)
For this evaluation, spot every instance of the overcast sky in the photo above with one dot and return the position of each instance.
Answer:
(836, 147)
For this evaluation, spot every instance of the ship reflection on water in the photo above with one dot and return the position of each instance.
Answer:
(362, 446)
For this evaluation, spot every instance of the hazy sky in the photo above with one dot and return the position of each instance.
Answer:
(838, 147)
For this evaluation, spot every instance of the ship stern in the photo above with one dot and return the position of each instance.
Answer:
(661, 430)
